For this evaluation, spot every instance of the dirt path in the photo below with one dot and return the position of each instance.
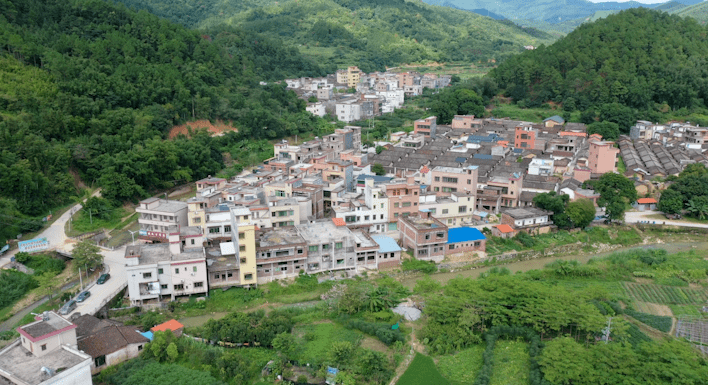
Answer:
(416, 346)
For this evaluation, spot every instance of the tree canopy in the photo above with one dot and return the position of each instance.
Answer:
(688, 191)
(616, 191)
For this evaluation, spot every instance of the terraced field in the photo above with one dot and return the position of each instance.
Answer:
(669, 295)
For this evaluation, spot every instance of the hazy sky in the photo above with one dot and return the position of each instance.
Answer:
(638, 1)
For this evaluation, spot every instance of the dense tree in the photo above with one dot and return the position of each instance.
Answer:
(378, 169)
(557, 204)
(654, 71)
(86, 255)
(616, 191)
(687, 191)
(609, 130)
(581, 212)
(670, 202)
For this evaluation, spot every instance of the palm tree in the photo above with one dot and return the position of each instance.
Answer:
(698, 206)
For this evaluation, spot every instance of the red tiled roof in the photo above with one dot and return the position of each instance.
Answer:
(505, 229)
(646, 201)
(339, 221)
(169, 325)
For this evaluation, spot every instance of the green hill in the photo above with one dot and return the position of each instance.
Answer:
(697, 11)
(368, 33)
(90, 88)
(638, 59)
(671, 6)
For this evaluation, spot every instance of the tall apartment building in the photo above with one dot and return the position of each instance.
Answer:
(330, 245)
(350, 76)
(371, 214)
(427, 126)
(525, 137)
(403, 194)
(280, 253)
(603, 156)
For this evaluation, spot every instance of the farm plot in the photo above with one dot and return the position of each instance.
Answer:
(665, 294)
(694, 329)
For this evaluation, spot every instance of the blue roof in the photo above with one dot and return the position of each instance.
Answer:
(386, 244)
(518, 150)
(460, 159)
(148, 335)
(464, 234)
(482, 156)
(479, 138)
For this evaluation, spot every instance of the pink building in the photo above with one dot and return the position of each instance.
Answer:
(461, 122)
(424, 235)
(426, 126)
(447, 180)
(403, 196)
(603, 156)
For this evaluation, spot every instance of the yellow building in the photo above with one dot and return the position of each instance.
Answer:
(246, 241)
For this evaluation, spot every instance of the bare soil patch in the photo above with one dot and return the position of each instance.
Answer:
(220, 128)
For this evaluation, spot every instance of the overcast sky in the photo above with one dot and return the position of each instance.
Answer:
(638, 1)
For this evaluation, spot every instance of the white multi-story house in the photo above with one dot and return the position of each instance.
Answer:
(158, 215)
(371, 214)
(540, 166)
(167, 270)
(349, 110)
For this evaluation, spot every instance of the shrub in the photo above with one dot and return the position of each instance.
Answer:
(413, 264)
(382, 331)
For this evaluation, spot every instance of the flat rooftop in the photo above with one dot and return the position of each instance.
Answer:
(165, 206)
(279, 237)
(424, 223)
(528, 212)
(324, 231)
(363, 239)
(150, 254)
(43, 327)
(23, 365)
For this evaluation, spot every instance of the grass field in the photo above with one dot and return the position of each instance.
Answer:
(84, 222)
(692, 310)
(515, 112)
(422, 371)
(462, 367)
(624, 236)
(315, 340)
(669, 295)
(511, 363)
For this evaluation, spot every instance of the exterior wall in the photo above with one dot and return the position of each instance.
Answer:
(497, 233)
(541, 167)
(348, 112)
(402, 199)
(129, 352)
(452, 213)
(603, 157)
(54, 342)
(388, 260)
(525, 137)
(465, 122)
(246, 253)
(445, 182)
(189, 274)
(427, 126)
(426, 244)
(517, 223)
(466, 247)
(282, 261)
(317, 109)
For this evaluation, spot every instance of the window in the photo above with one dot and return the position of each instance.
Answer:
(140, 347)
(350, 219)
(179, 287)
(449, 189)
(194, 269)
(242, 248)
(340, 262)
(440, 235)
(449, 180)
(396, 204)
(243, 260)
(366, 217)
(241, 235)
(197, 220)
(147, 275)
(279, 193)
(299, 251)
(445, 211)
(406, 204)
(422, 251)
(338, 245)
(248, 277)
(395, 215)
(282, 253)
(177, 270)
(432, 211)
(192, 241)
(477, 244)
(452, 247)
(427, 236)
(198, 284)
(230, 274)
(469, 181)
(437, 189)
(314, 248)
(437, 179)
(325, 247)
(160, 271)
(163, 287)
(214, 230)
(100, 361)
(227, 229)
(462, 209)
(44, 347)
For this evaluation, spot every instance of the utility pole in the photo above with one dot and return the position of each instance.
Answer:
(90, 216)
(81, 280)
(132, 234)
(607, 330)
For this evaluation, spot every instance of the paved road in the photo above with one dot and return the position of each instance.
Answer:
(101, 294)
(640, 216)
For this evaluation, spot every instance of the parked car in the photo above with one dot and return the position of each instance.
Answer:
(103, 278)
(68, 307)
(82, 297)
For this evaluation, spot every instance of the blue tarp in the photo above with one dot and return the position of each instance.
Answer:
(148, 335)
(482, 156)
(386, 244)
(464, 234)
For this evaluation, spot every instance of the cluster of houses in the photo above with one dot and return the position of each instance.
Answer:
(376, 93)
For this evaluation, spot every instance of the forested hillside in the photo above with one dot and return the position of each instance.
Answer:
(91, 88)
(697, 11)
(368, 33)
(636, 63)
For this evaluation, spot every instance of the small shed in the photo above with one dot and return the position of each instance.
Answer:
(503, 231)
(174, 325)
(644, 204)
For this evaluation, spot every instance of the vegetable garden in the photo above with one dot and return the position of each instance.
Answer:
(665, 294)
